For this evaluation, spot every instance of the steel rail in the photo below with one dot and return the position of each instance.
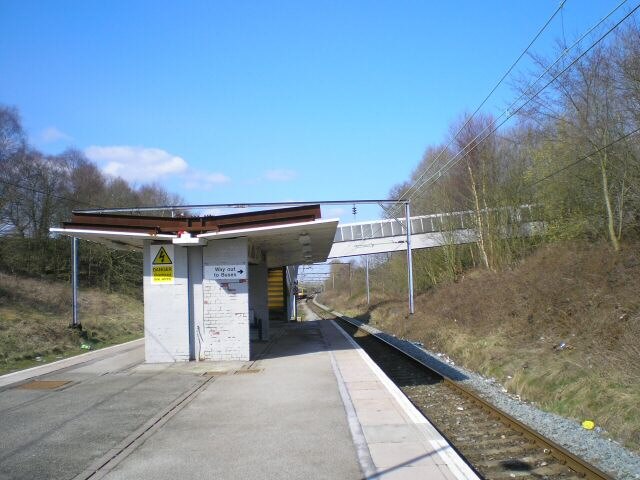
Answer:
(560, 453)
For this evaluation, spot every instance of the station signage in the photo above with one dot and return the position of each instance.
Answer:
(162, 265)
(225, 272)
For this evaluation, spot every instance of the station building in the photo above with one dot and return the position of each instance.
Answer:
(210, 280)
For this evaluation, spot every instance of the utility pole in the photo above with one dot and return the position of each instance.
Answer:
(407, 211)
(366, 257)
(75, 321)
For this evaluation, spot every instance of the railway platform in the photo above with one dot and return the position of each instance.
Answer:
(310, 404)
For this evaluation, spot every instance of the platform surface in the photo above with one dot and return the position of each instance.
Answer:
(393, 438)
(310, 406)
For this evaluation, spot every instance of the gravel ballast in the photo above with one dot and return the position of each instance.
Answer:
(602, 452)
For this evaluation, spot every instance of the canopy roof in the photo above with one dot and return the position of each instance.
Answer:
(287, 236)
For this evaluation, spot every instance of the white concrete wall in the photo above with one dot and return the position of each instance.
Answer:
(226, 304)
(166, 312)
(258, 295)
(196, 300)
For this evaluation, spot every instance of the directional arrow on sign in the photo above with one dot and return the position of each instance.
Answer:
(225, 272)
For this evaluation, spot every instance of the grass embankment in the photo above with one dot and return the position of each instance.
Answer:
(512, 325)
(35, 315)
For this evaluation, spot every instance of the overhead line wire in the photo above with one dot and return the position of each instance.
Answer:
(390, 210)
(506, 74)
(585, 157)
(454, 160)
(449, 163)
(508, 109)
(35, 190)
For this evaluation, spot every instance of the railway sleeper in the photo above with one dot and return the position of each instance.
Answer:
(528, 449)
(468, 417)
(479, 431)
(518, 462)
(526, 467)
(510, 474)
(476, 442)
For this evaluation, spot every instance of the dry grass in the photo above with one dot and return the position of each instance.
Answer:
(35, 315)
(509, 325)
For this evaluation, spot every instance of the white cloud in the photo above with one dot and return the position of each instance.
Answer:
(333, 212)
(137, 164)
(280, 175)
(52, 135)
(195, 180)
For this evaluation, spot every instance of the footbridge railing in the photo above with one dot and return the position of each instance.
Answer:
(429, 231)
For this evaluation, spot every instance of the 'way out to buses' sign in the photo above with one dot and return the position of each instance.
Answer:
(162, 264)
(225, 272)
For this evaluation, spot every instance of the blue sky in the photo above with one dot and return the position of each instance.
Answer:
(263, 101)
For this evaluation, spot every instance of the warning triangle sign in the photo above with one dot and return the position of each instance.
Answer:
(162, 258)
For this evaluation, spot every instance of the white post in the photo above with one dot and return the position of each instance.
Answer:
(366, 257)
(75, 322)
(407, 210)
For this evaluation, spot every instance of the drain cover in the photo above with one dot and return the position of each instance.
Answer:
(44, 384)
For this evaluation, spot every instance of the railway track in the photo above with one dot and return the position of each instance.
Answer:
(495, 444)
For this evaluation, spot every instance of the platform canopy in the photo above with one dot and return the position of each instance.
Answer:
(286, 236)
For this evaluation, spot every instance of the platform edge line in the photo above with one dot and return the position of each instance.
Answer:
(460, 469)
(365, 460)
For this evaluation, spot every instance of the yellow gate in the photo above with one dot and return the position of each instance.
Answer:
(276, 294)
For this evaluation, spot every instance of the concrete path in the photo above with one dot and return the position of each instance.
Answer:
(57, 433)
(311, 406)
(286, 420)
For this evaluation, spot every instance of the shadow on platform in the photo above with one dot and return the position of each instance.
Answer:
(304, 338)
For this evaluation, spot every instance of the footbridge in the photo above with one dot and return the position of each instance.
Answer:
(427, 231)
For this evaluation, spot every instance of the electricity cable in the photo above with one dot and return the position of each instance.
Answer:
(508, 109)
(585, 157)
(59, 197)
(449, 163)
(504, 76)
(456, 158)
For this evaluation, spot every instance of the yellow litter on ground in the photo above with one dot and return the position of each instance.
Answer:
(588, 424)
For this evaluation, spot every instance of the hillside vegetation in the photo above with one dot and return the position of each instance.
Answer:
(39, 191)
(560, 329)
(35, 314)
(554, 316)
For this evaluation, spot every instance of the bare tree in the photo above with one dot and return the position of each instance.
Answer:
(584, 108)
(12, 138)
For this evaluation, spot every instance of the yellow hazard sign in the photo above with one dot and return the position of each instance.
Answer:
(162, 258)
(162, 264)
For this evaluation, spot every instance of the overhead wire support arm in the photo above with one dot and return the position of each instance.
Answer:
(239, 205)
